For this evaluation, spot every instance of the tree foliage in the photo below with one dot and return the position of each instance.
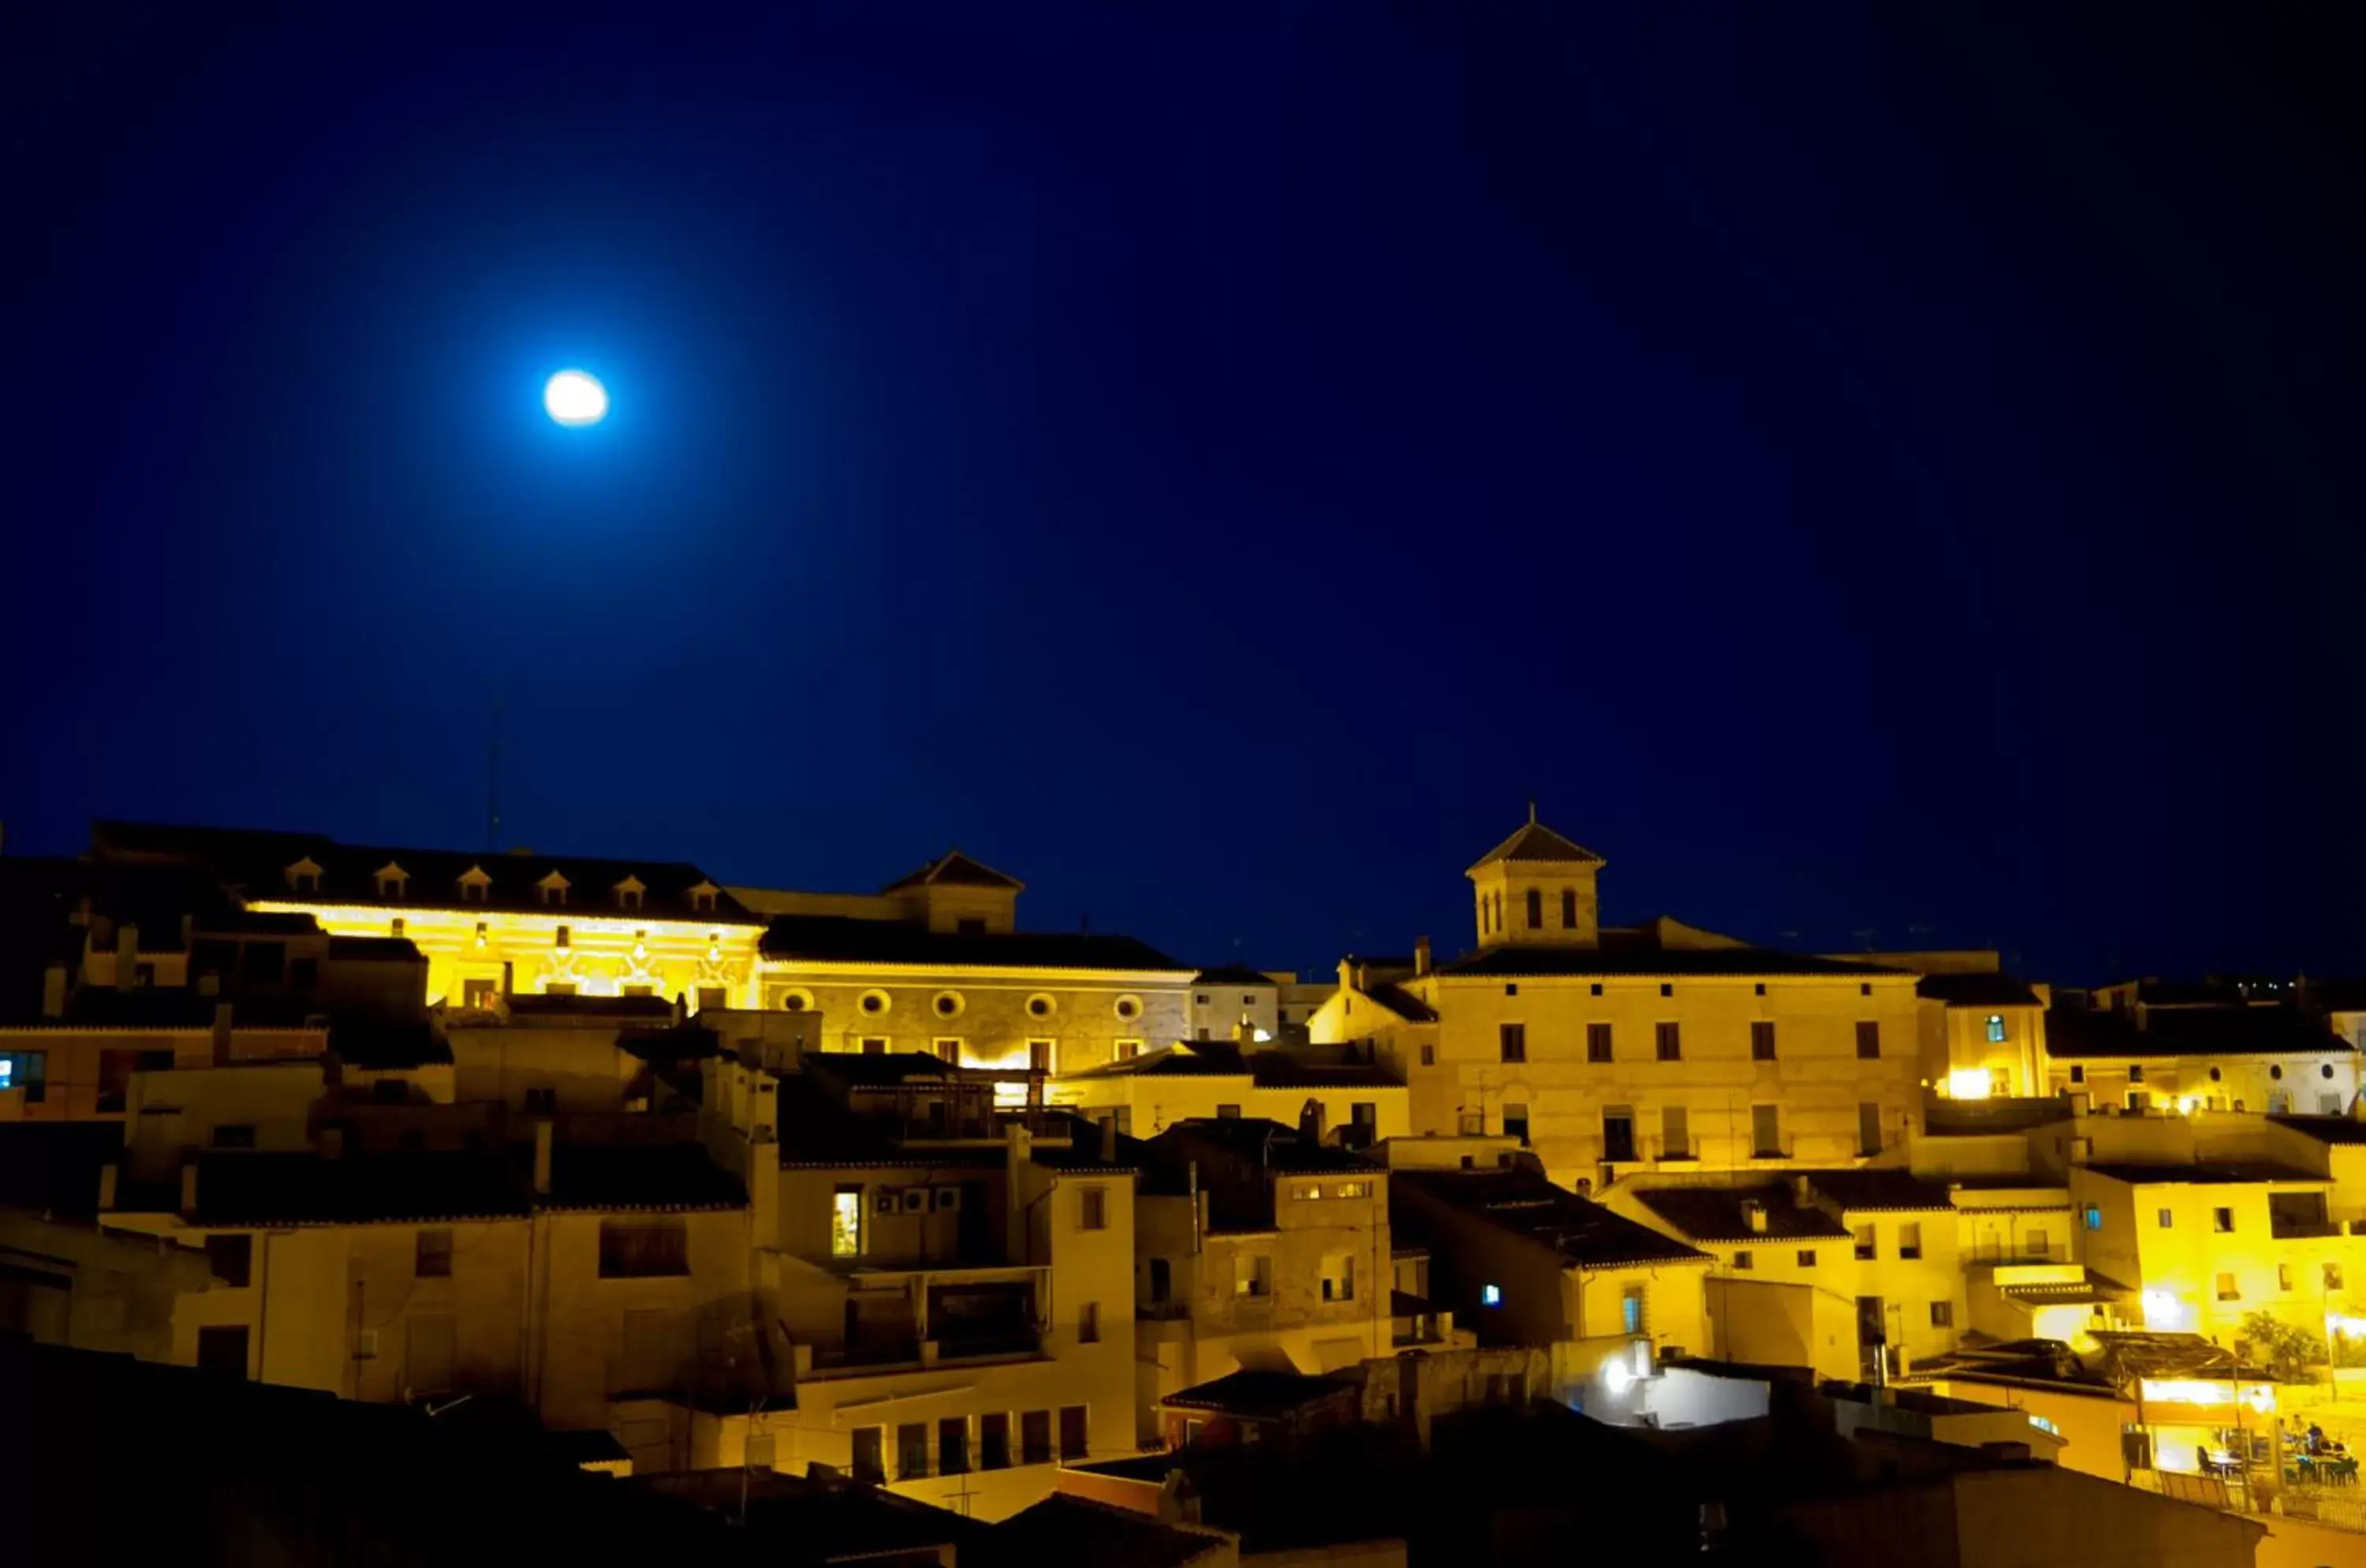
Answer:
(2284, 1351)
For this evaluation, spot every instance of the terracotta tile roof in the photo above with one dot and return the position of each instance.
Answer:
(1232, 975)
(1402, 1003)
(957, 870)
(2217, 1173)
(1977, 990)
(1863, 1190)
(1516, 961)
(1534, 842)
(1258, 1395)
(2324, 1129)
(1064, 1531)
(1585, 1233)
(254, 863)
(839, 939)
(2089, 1033)
(1720, 1214)
(1279, 1069)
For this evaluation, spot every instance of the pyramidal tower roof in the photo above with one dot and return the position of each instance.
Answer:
(955, 868)
(1536, 842)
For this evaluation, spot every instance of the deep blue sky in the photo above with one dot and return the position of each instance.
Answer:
(1895, 474)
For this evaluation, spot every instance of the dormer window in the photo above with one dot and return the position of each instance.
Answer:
(473, 882)
(552, 889)
(628, 893)
(392, 880)
(701, 897)
(304, 877)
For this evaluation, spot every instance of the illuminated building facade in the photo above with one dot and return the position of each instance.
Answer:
(1615, 1050)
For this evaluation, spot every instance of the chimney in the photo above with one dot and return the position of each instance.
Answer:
(188, 930)
(222, 1034)
(1347, 973)
(53, 991)
(189, 1186)
(542, 1154)
(1421, 956)
(1019, 1156)
(1753, 1213)
(127, 956)
(1801, 1193)
(1244, 1033)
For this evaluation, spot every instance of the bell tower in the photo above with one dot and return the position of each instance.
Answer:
(1535, 890)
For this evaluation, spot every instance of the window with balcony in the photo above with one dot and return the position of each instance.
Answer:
(952, 1446)
(1675, 1133)
(911, 1450)
(1035, 1436)
(994, 1440)
(1869, 1129)
(1074, 1443)
(870, 1457)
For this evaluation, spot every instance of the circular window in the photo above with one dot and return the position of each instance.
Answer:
(948, 1004)
(2275, 1072)
(2213, 1075)
(796, 1001)
(1039, 1006)
(2326, 1071)
(873, 1002)
(1128, 1008)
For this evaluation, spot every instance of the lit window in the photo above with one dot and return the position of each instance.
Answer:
(2091, 1216)
(1490, 1295)
(846, 1223)
(1630, 1310)
(1996, 1029)
(1339, 1277)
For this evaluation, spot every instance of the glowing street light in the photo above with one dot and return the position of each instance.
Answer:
(575, 396)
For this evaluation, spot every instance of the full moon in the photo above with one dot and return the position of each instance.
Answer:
(575, 396)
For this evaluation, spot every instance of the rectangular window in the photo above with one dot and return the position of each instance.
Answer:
(911, 1450)
(1630, 1310)
(1869, 1129)
(1943, 1314)
(1669, 1038)
(1364, 1115)
(231, 1258)
(870, 1462)
(1073, 1440)
(1569, 909)
(1228, 1113)
(1675, 1134)
(1339, 1277)
(846, 1223)
(1515, 1124)
(2034, 1244)
(636, 990)
(2078, 1072)
(1035, 1438)
(994, 1440)
(1996, 1029)
(641, 1249)
(1597, 1043)
(1868, 1041)
(2165, 1217)
(1252, 1275)
(478, 993)
(2135, 1072)
(2091, 1216)
(1039, 1055)
(558, 988)
(1088, 1324)
(1910, 1239)
(2227, 1290)
(948, 1051)
(1868, 1243)
(1766, 1132)
(2283, 1277)
(1428, 1054)
(952, 1446)
(2221, 1221)
(432, 1256)
(1536, 908)
(1745, 1260)
(1761, 1041)
(1127, 1050)
(1618, 1133)
(1806, 1257)
(874, 1044)
(1513, 1039)
(563, 937)
(2333, 1276)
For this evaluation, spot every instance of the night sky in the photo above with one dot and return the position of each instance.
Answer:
(1893, 478)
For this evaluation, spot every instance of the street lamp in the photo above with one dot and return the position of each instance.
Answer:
(575, 398)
